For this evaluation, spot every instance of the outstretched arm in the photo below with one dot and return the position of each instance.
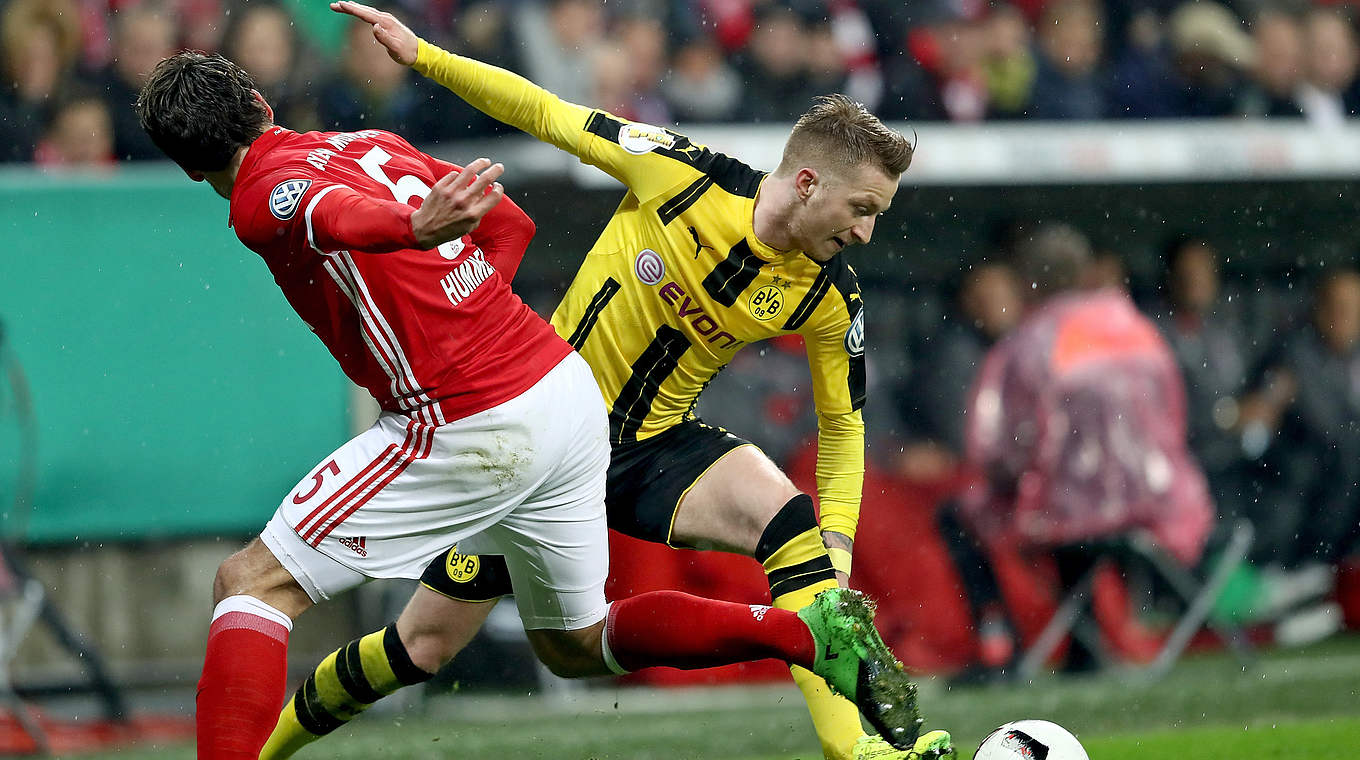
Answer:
(502, 95)
(399, 40)
(648, 159)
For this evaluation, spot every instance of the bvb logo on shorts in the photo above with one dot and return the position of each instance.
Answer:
(767, 302)
(462, 567)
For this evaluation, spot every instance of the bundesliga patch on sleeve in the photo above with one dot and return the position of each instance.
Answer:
(854, 337)
(644, 138)
(286, 197)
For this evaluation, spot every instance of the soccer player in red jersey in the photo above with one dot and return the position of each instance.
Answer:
(492, 430)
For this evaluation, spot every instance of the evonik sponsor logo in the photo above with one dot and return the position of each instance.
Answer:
(687, 309)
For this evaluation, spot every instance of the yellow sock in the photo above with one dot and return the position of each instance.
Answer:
(798, 568)
(342, 686)
(835, 718)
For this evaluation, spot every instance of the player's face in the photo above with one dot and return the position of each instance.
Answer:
(221, 185)
(839, 208)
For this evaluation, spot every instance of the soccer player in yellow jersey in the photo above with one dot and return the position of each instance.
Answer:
(704, 256)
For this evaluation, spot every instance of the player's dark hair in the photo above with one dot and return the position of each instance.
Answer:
(200, 109)
(839, 130)
(1051, 259)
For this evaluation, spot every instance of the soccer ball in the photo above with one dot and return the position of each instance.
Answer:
(1030, 740)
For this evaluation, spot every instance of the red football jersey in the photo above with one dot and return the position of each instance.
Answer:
(435, 334)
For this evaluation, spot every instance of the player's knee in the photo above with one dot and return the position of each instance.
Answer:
(570, 654)
(753, 517)
(255, 572)
(574, 665)
(793, 519)
(234, 576)
(430, 650)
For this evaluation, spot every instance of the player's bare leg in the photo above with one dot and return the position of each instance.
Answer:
(245, 665)
(428, 633)
(733, 507)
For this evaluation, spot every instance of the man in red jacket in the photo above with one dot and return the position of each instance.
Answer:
(1076, 425)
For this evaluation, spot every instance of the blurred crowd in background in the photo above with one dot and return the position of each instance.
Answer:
(1271, 414)
(71, 68)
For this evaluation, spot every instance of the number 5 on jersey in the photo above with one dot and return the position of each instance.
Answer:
(406, 187)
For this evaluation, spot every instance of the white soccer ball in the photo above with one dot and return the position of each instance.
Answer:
(1030, 740)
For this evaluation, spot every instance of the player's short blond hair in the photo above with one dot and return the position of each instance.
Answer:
(838, 131)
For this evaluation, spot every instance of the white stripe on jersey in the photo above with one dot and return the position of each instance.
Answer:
(387, 350)
(369, 334)
(307, 217)
(393, 345)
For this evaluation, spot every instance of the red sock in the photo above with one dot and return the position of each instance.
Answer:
(244, 674)
(677, 630)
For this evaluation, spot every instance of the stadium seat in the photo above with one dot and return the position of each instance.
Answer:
(1197, 590)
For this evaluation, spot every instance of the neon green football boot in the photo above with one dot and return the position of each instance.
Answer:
(856, 664)
(931, 745)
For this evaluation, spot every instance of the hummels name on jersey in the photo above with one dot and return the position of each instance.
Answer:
(465, 277)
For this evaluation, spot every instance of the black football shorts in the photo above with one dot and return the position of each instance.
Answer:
(648, 478)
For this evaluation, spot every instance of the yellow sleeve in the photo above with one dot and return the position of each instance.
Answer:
(648, 159)
(840, 470)
(840, 430)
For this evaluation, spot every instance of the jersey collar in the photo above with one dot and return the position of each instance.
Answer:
(759, 247)
(262, 145)
(766, 251)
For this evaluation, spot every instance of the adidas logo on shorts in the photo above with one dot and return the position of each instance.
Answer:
(354, 544)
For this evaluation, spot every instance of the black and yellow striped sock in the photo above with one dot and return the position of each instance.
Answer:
(798, 568)
(342, 686)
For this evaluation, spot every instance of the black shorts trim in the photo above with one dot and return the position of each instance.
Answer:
(468, 577)
(648, 478)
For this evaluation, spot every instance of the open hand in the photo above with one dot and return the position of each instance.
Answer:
(457, 203)
(400, 41)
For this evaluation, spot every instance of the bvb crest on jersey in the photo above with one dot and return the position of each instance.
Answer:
(766, 303)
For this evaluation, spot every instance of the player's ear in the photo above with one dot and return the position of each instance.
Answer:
(805, 182)
(268, 109)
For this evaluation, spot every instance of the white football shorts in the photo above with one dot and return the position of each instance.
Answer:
(524, 479)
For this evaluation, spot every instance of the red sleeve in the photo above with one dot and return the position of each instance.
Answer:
(503, 234)
(341, 219)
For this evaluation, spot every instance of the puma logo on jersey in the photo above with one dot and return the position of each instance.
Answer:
(465, 278)
(698, 246)
(355, 545)
(687, 309)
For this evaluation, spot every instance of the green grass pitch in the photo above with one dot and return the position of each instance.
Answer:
(1296, 705)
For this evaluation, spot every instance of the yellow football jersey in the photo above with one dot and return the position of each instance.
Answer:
(677, 282)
